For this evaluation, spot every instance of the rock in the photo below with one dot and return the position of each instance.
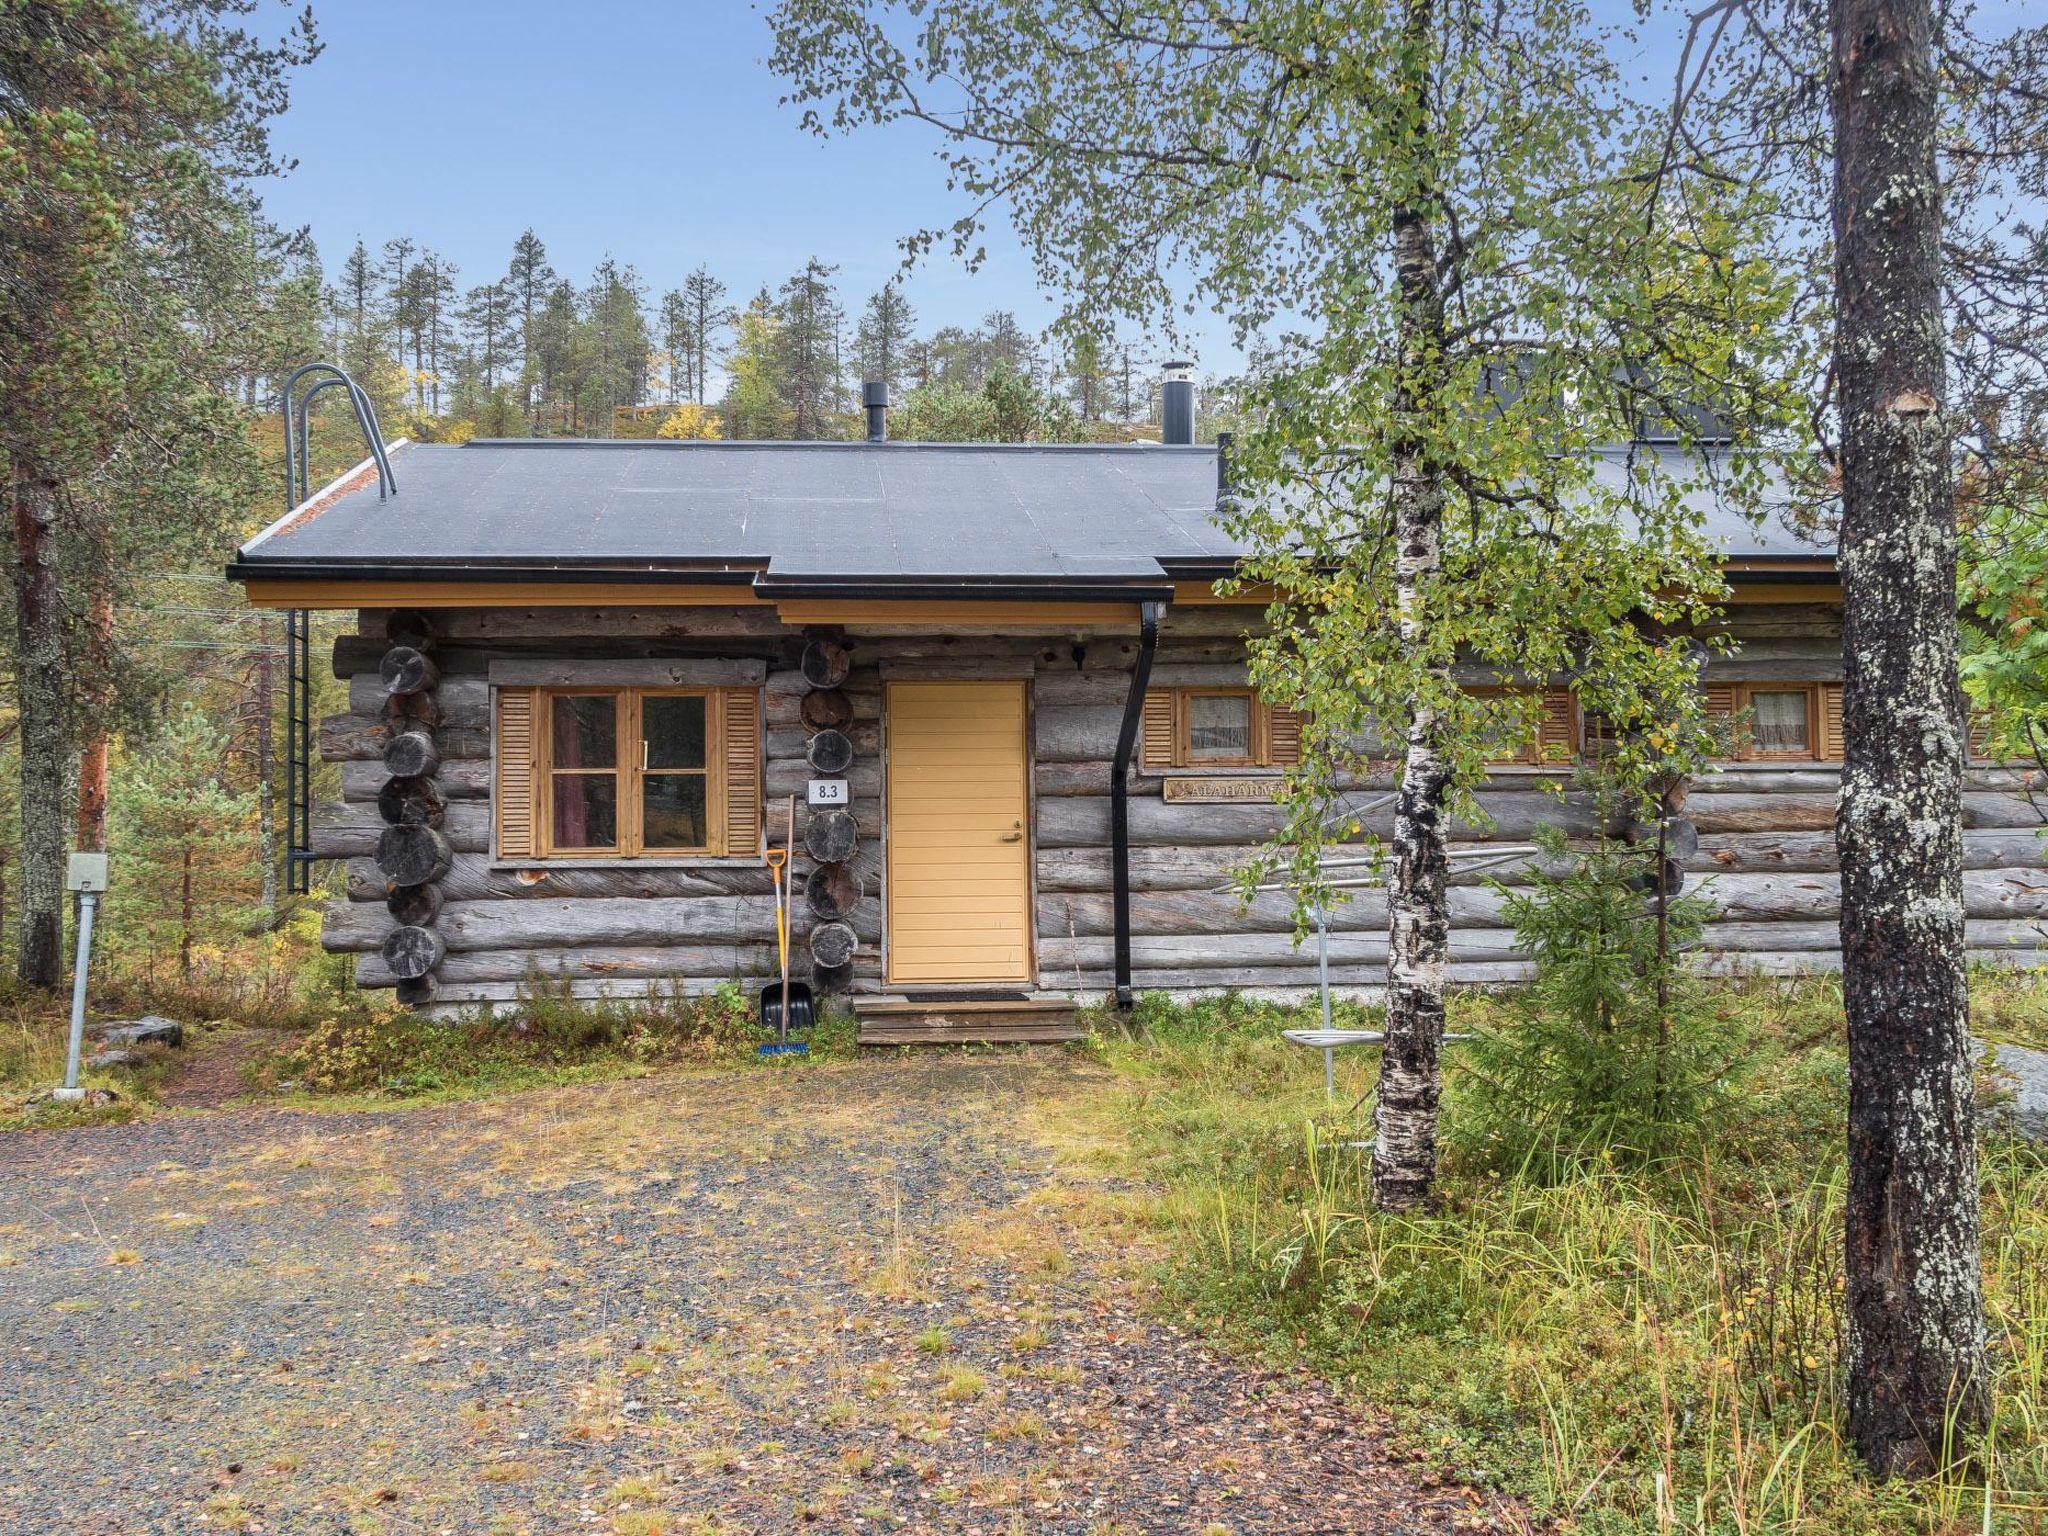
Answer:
(150, 1029)
(103, 1059)
(2025, 1072)
(95, 1098)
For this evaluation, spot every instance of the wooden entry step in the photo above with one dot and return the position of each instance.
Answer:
(964, 1021)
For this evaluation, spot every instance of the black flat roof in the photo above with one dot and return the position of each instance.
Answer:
(796, 515)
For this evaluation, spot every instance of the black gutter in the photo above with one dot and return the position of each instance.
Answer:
(1120, 798)
(955, 589)
(485, 568)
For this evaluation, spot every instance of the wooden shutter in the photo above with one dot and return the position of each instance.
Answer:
(1159, 737)
(1283, 737)
(513, 800)
(1556, 734)
(1830, 722)
(742, 771)
(1722, 702)
(1977, 740)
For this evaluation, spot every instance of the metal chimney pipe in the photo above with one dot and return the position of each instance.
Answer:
(1177, 404)
(874, 398)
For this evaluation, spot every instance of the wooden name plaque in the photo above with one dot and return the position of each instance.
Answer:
(1217, 791)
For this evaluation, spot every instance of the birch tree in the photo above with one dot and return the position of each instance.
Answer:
(1397, 199)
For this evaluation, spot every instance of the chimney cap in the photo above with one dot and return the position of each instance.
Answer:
(874, 392)
(1179, 371)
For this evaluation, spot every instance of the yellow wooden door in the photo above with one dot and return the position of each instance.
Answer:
(959, 852)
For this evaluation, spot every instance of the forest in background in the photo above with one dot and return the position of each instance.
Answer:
(532, 352)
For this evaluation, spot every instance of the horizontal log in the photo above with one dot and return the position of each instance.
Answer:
(628, 672)
(363, 738)
(1083, 821)
(1280, 983)
(504, 998)
(463, 701)
(790, 744)
(473, 879)
(784, 711)
(554, 922)
(351, 830)
(718, 961)
(1081, 733)
(487, 624)
(466, 779)
(863, 779)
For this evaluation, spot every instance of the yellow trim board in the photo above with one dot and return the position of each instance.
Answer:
(1053, 615)
(1253, 594)
(493, 594)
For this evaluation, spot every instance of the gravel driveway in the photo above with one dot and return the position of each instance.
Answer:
(854, 1297)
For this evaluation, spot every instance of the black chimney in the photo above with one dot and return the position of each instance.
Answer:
(1177, 404)
(874, 396)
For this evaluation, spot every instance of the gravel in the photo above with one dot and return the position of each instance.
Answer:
(838, 1297)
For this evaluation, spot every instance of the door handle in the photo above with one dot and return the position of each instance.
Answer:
(1013, 837)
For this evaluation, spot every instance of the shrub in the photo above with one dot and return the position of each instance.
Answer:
(1615, 1049)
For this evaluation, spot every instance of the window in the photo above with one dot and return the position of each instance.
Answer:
(627, 772)
(1779, 722)
(1553, 739)
(1217, 728)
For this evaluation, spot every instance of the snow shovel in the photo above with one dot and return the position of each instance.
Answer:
(785, 1006)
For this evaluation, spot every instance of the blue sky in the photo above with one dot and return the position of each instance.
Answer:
(647, 130)
(651, 131)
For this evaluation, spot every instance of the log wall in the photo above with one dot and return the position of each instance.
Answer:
(1766, 851)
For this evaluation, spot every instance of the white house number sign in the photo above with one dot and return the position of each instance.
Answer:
(827, 792)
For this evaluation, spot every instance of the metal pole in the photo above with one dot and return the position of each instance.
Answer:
(71, 1092)
(1323, 978)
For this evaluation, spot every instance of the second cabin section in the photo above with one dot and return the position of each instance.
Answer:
(590, 682)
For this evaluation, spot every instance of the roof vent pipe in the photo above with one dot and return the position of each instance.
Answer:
(1177, 404)
(874, 398)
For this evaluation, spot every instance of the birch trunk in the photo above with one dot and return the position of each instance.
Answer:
(1418, 912)
(44, 772)
(1915, 1330)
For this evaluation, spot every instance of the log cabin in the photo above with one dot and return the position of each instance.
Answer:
(588, 679)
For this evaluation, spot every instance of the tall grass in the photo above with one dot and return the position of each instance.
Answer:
(1631, 1348)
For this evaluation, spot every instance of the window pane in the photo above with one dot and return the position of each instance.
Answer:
(1219, 725)
(1779, 721)
(672, 810)
(674, 728)
(585, 731)
(586, 810)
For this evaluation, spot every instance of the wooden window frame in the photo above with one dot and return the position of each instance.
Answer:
(1742, 745)
(1265, 727)
(629, 774)
(1184, 728)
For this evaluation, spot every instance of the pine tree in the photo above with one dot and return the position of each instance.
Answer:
(612, 343)
(884, 336)
(676, 344)
(187, 845)
(125, 249)
(437, 319)
(705, 297)
(808, 377)
(490, 319)
(529, 278)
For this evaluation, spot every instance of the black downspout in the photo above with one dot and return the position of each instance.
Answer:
(1120, 798)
